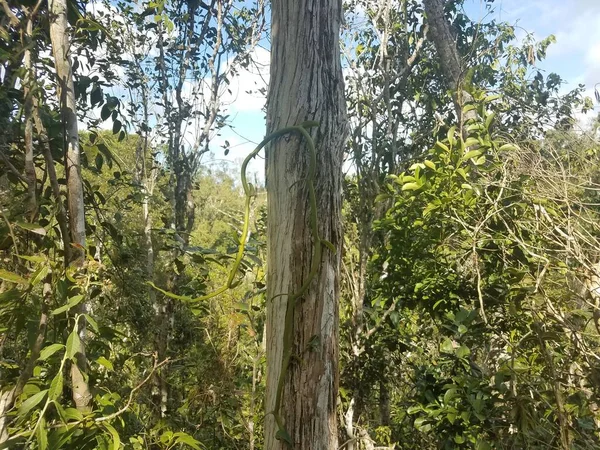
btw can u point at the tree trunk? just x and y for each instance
(59, 36)
(443, 40)
(306, 84)
(30, 174)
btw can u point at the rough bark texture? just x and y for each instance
(59, 36)
(306, 84)
(30, 175)
(443, 40)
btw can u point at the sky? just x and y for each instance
(575, 57)
(575, 23)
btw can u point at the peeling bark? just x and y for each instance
(306, 84)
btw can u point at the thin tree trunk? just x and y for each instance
(59, 36)
(61, 215)
(28, 82)
(31, 114)
(450, 60)
(306, 84)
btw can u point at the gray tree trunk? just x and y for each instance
(306, 84)
(450, 60)
(59, 36)
(28, 86)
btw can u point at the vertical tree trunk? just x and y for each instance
(450, 60)
(59, 36)
(30, 175)
(306, 84)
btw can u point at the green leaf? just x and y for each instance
(166, 437)
(33, 227)
(105, 112)
(411, 187)
(12, 277)
(471, 141)
(73, 414)
(508, 147)
(105, 363)
(10, 296)
(31, 403)
(18, 442)
(41, 434)
(34, 258)
(422, 425)
(414, 409)
(183, 438)
(471, 154)
(447, 346)
(50, 350)
(381, 197)
(56, 387)
(73, 344)
(489, 119)
(463, 351)
(39, 275)
(450, 395)
(459, 439)
(430, 164)
(92, 322)
(442, 146)
(116, 440)
(75, 300)
(99, 161)
(451, 138)
(491, 98)
(116, 126)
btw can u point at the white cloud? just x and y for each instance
(247, 84)
(592, 75)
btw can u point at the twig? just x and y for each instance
(133, 391)
(12, 234)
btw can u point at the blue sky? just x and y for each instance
(575, 24)
(575, 57)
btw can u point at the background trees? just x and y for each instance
(468, 287)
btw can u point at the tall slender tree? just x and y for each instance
(306, 83)
(451, 62)
(59, 36)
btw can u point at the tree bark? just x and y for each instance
(59, 36)
(450, 60)
(306, 84)
(28, 85)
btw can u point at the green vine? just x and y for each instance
(250, 193)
